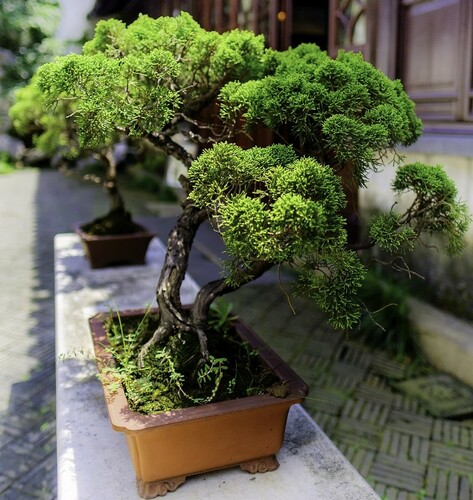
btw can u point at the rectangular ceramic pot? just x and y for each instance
(167, 447)
(116, 250)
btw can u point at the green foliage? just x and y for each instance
(333, 281)
(6, 165)
(389, 233)
(221, 317)
(272, 207)
(341, 111)
(303, 59)
(135, 80)
(227, 170)
(110, 95)
(138, 81)
(435, 209)
(51, 129)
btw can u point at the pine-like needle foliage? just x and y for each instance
(343, 111)
(435, 209)
(142, 80)
(273, 207)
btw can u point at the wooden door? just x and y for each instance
(434, 61)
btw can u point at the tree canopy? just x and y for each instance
(342, 111)
(271, 205)
(144, 80)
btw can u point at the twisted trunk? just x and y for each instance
(172, 314)
(111, 185)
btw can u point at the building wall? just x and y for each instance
(73, 24)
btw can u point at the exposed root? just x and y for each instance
(203, 345)
(160, 334)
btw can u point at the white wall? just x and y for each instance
(73, 24)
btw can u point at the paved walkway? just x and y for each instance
(402, 451)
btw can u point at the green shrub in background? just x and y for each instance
(26, 40)
(6, 165)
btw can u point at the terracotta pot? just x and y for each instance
(116, 250)
(167, 447)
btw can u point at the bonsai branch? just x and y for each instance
(397, 264)
(218, 288)
(170, 147)
(216, 131)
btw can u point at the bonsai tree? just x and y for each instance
(275, 205)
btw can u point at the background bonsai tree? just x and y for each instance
(53, 131)
(149, 82)
(273, 205)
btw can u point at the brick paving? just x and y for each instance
(401, 450)
(404, 452)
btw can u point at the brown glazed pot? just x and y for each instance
(167, 447)
(116, 250)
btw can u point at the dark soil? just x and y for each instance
(115, 222)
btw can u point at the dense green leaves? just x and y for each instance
(144, 79)
(273, 207)
(50, 129)
(343, 111)
(435, 209)
(227, 170)
(354, 143)
(204, 60)
(390, 234)
(110, 94)
(270, 205)
(333, 281)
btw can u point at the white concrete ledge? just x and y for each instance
(446, 340)
(93, 460)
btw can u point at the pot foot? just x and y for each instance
(265, 464)
(158, 488)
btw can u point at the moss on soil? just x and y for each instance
(174, 375)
